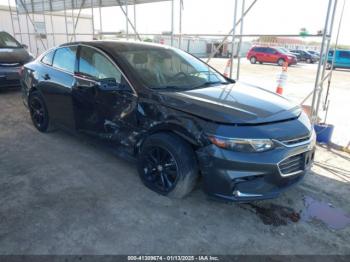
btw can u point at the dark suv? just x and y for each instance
(181, 118)
(270, 55)
(13, 56)
(306, 56)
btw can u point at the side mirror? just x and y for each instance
(110, 84)
(24, 46)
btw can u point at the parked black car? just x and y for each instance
(314, 53)
(306, 56)
(179, 116)
(12, 56)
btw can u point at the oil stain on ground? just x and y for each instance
(272, 214)
(334, 218)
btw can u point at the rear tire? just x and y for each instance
(280, 61)
(167, 165)
(38, 112)
(253, 60)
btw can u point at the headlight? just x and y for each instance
(241, 144)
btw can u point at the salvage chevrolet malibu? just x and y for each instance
(181, 118)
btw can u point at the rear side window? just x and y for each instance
(259, 49)
(47, 59)
(65, 58)
(344, 54)
(94, 64)
(270, 51)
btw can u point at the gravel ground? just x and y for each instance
(63, 193)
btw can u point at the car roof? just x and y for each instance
(120, 45)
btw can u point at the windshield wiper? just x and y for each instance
(206, 84)
(171, 87)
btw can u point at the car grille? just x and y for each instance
(292, 165)
(294, 141)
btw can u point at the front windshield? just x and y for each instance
(7, 41)
(161, 68)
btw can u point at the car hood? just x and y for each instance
(237, 103)
(14, 55)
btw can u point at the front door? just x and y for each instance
(110, 113)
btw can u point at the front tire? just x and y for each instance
(38, 112)
(167, 165)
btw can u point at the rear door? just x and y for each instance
(272, 55)
(260, 54)
(56, 85)
(99, 110)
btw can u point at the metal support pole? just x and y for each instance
(13, 24)
(73, 25)
(33, 23)
(240, 42)
(180, 23)
(19, 22)
(52, 26)
(172, 23)
(225, 38)
(233, 37)
(135, 18)
(126, 19)
(92, 19)
(317, 92)
(65, 19)
(100, 14)
(330, 75)
(28, 18)
(28, 32)
(131, 24)
(77, 20)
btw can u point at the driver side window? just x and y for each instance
(96, 65)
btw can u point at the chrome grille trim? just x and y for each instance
(302, 169)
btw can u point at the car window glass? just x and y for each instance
(344, 54)
(163, 68)
(330, 53)
(47, 59)
(65, 58)
(95, 64)
(7, 41)
(270, 50)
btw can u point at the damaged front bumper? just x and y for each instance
(237, 176)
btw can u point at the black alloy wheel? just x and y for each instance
(167, 165)
(160, 169)
(38, 112)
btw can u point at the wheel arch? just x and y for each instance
(174, 129)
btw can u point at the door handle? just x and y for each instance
(46, 77)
